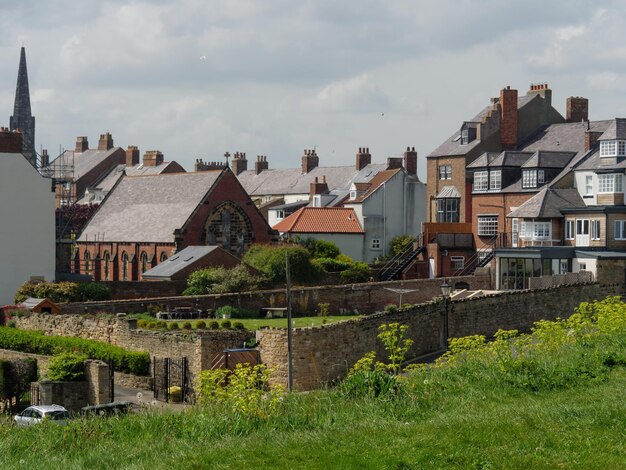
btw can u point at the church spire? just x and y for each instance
(22, 118)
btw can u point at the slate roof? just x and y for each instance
(109, 179)
(376, 182)
(548, 203)
(149, 208)
(448, 192)
(83, 162)
(616, 130)
(320, 220)
(500, 159)
(180, 261)
(594, 162)
(541, 159)
(293, 181)
(565, 137)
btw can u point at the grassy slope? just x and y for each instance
(582, 427)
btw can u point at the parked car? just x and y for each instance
(36, 414)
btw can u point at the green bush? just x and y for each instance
(67, 367)
(200, 325)
(214, 325)
(391, 308)
(400, 243)
(172, 326)
(238, 325)
(18, 312)
(332, 265)
(358, 272)
(37, 343)
(142, 324)
(162, 325)
(16, 376)
(63, 291)
(221, 280)
(11, 324)
(226, 324)
(225, 310)
(270, 260)
(187, 325)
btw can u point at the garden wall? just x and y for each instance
(321, 355)
(362, 298)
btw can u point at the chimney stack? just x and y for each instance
(45, 159)
(10, 142)
(394, 162)
(410, 161)
(201, 165)
(318, 188)
(82, 144)
(310, 160)
(152, 158)
(132, 155)
(590, 139)
(105, 142)
(260, 164)
(363, 158)
(542, 90)
(576, 109)
(508, 118)
(239, 163)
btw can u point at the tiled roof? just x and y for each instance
(501, 159)
(616, 130)
(541, 159)
(376, 182)
(180, 260)
(548, 202)
(320, 220)
(109, 180)
(594, 162)
(565, 137)
(149, 208)
(83, 162)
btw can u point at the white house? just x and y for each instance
(27, 233)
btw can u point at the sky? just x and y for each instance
(198, 78)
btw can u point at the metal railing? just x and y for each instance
(400, 259)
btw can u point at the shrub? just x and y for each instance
(221, 280)
(187, 325)
(142, 324)
(332, 265)
(16, 376)
(162, 325)
(225, 311)
(226, 324)
(12, 324)
(270, 260)
(400, 243)
(391, 308)
(358, 272)
(238, 325)
(63, 291)
(91, 291)
(323, 309)
(200, 325)
(172, 326)
(18, 312)
(214, 325)
(67, 367)
(37, 343)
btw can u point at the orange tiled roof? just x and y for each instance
(320, 220)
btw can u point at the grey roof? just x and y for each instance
(448, 192)
(616, 130)
(500, 159)
(31, 302)
(547, 203)
(600, 254)
(543, 159)
(291, 205)
(453, 146)
(109, 180)
(564, 137)
(83, 162)
(179, 261)
(594, 162)
(293, 181)
(149, 208)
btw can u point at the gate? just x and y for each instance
(231, 357)
(111, 382)
(34, 394)
(169, 373)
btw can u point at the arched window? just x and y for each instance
(144, 262)
(87, 263)
(163, 257)
(125, 266)
(107, 260)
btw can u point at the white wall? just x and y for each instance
(580, 178)
(27, 238)
(590, 265)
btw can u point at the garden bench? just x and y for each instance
(274, 312)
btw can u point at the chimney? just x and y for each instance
(81, 144)
(201, 165)
(576, 109)
(132, 155)
(590, 139)
(260, 164)
(310, 160)
(45, 159)
(239, 163)
(10, 142)
(508, 118)
(410, 161)
(152, 158)
(319, 188)
(105, 142)
(542, 90)
(363, 158)
(394, 162)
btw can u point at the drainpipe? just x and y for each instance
(385, 218)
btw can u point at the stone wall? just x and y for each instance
(321, 355)
(363, 298)
(42, 361)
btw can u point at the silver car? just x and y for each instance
(37, 414)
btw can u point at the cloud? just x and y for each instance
(358, 94)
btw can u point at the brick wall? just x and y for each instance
(363, 298)
(323, 354)
(495, 204)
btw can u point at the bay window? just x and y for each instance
(611, 183)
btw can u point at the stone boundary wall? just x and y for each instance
(42, 361)
(321, 355)
(363, 298)
(199, 348)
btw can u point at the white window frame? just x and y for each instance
(465, 137)
(542, 230)
(445, 172)
(481, 181)
(588, 185)
(353, 194)
(457, 262)
(595, 230)
(495, 179)
(570, 229)
(529, 179)
(376, 244)
(487, 225)
(620, 230)
(610, 183)
(541, 176)
(608, 148)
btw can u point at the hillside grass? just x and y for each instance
(553, 399)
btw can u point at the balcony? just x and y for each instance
(449, 235)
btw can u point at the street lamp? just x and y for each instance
(443, 327)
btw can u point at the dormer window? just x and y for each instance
(481, 181)
(464, 137)
(611, 183)
(353, 194)
(529, 179)
(612, 148)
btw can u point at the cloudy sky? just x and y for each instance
(197, 78)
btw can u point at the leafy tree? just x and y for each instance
(67, 367)
(221, 280)
(358, 272)
(399, 243)
(270, 260)
(63, 291)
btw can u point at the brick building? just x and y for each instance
(145, 219)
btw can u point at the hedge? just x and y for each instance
(35, 342)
